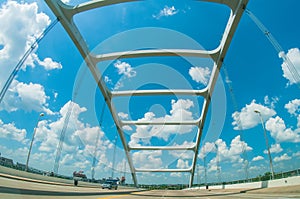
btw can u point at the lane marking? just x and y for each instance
(109, 197)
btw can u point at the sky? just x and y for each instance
(55, 80)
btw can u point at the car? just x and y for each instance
(110, 184)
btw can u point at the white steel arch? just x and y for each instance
(65, 14)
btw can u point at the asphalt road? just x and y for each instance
(18, 189)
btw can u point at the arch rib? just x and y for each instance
(65, 14)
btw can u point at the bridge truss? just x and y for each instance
(65, 14)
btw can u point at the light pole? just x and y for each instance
(34, 132)
(267, 143)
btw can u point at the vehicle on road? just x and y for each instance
(110, 184)
(77, 176)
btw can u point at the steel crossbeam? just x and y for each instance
(65, 14)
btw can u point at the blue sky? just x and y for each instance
(55, 74)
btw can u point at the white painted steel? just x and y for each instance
(158, 52)
(192, 122)
(163, 148)
(65, 14)
(202, 92)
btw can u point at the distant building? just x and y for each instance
(20, 166)
(6, 162)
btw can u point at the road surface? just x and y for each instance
(18, 189)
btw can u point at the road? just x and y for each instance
(17, 189)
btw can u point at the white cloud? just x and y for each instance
(28, 97)
(207, 148)
(294, 56)
(200, 75)
(166, 11)
(125, 69)
(247, 118)
(271, 102)
(20, 25)
(297, 154)
(127, 128)
(55, 95)
(89, 136)
(293, 107)
(184, 154)
(181, 164)
(107, 80)
(179, 112)
(282, 158)
(232, 154)
(48, 63)
(78, 146)
(65, 1)
(176, 175)
(10, 131)
(79, 142)
(257, 158)
(275, 148)
(17, 154)
(123, 115)
(147, 159)
(280, 132)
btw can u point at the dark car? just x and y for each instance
(110, 184)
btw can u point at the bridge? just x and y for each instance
(177, 128)
(66, 15)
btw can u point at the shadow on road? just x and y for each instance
(23, 191)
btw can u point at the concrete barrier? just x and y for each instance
(290, 181)
(41, 178)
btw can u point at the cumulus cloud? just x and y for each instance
(180, 112)
(297, 154)
(107, 80)
(257, 158)
(232, 154)
(20, 25)
(48, 63)
(79, 142)
(293, 107)
(125, 69)
(182, 164)
(17, 154)
(271, 102)
(127, 128)
(282, 158)
(200, 75)
(147, 159)
(11, 132)
(78, 146)
(28, 97)
(275, 148)
(166, 11)
(183, 154)
(123, 115)
(294, 56)
(280, 132)
(207, 148)
(247, 118)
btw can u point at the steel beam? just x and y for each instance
(179, 148)
(158, 52)
(167, 122)
(160, 92)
